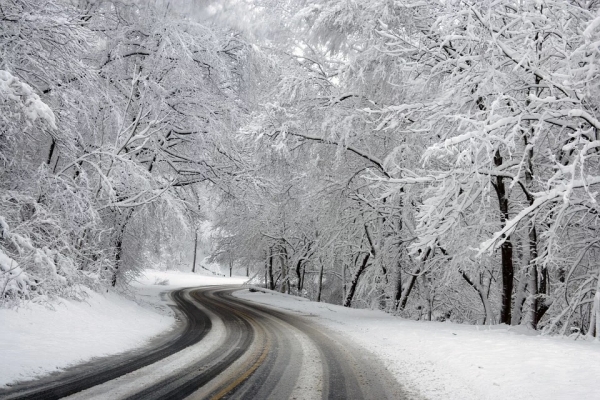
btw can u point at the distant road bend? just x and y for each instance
(226, 348)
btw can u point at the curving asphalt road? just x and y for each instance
(227, 348)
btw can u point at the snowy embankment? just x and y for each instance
(439, 360)
(38, 339)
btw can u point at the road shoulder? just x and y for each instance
(453, 361)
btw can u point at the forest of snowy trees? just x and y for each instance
(113, 114)
(434, 159)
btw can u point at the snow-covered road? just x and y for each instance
(256, 352)
(428, 359)
(443, 360)
(36, 340)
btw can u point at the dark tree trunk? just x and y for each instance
(195, 250)
(51, 152)
(411, 283)
(298, 276)
(119, 246)
(354, 282)
(303, 276)
(539, 278)
(118, 254)
(398, 288)
(270, 269)
(507, 283)
(299, 268)
(408, 289)
(487, 308)
(56, 164)
(283, 259)
(266, 277)
(319, 291)
(541, 304)
(428, 295)
(506, 248)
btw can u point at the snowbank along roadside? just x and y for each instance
(442, 360)
(39, 339)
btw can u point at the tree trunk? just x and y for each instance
(270, 269)
(51, 152)
(303, 276)
(195, 250)
(597, 307)
(520, 298)
(301, 260)
(541, 298)
(354, 282)
(506, 248)
(298, 276)
(119, 249)
(428, 296)
(398, 287)
(594, 330)
(408, 288)
(519, 313)
(539, 279)
(411, 282)
(320, 288)
(487, 307)
(119, 246)
(285, 283)
(343, 281)
(266, 269)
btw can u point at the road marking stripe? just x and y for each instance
(250, 371)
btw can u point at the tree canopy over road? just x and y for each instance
(434, 159)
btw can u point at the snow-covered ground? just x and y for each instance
(434, 360)
(439, 360)
(38, 339)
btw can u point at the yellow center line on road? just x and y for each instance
(250, 370)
